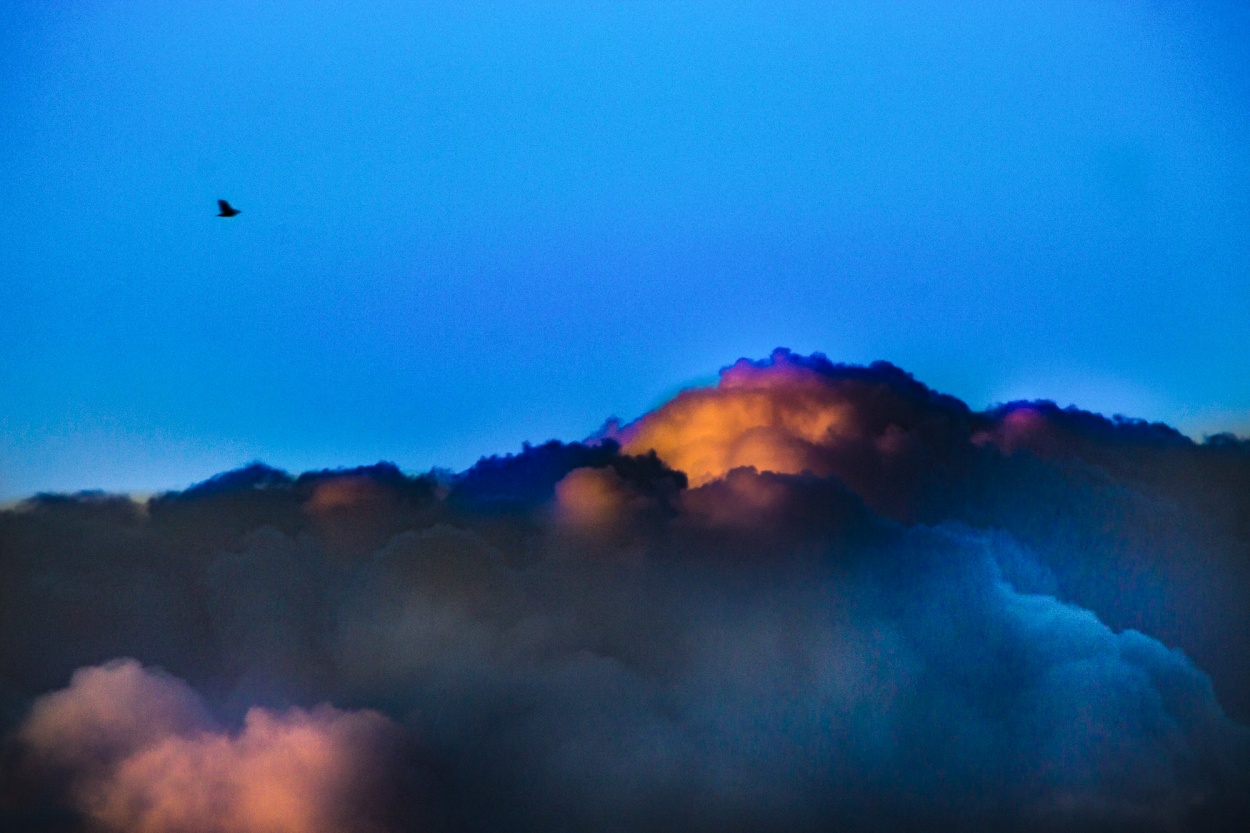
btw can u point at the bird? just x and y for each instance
(227, 210)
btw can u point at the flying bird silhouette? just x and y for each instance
(227, 210)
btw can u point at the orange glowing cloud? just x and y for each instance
(778, 418)
(590, 497)
(346, 494)
(141, 756)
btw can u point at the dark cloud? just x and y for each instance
(815, 596)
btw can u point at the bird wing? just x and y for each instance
(225, 206)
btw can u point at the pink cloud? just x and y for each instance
(141, 755)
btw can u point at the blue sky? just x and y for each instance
(469, 225)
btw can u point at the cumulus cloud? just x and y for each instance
(140, 754)
(922, 685)
(876, 428)
(812, 596)
(1136, 520)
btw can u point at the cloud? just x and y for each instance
(1123, 511)
(876, 428)
(919, 683)
(812, 596)
(782, 416)
(139, 753)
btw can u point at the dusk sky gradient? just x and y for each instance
(466, 226)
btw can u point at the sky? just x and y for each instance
(467, 226)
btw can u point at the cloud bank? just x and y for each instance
(140, 754)
(813, 596)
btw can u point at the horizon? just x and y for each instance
(150, 491)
